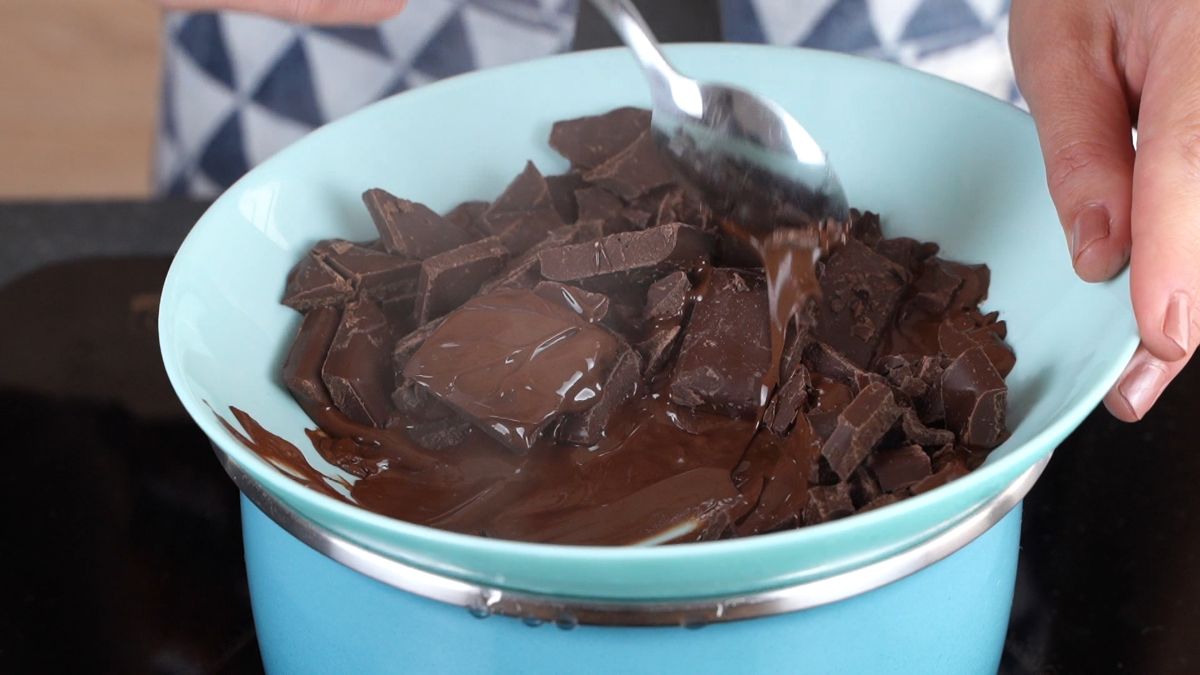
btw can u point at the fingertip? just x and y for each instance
(1119, 408)
(1101, 261)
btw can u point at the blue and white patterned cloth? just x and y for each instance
(237, 88)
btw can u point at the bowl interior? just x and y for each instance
(938, 161)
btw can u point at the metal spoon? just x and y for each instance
(754, 163)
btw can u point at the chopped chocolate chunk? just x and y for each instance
(973, 289)
(522, 271)
(657, 349)
(440, 434)
(512, 361)
(726, 348)
(469, 216)
(880, 502)
(302, 368)
(357, 370)
(562, 195)
(667, 297)
(636, 170)
(976, 399)
(588, 141)
(863, 487)
(829, 362)
(935, 287)
(860, 293)
(525, 213)
(669, 245)
(449, 278)
(827, 502)
(906, 252)
(596, 204)
(407, 345)
(313, 283)
(898, 468)
(788, 401)
(859, 428)
(621, 383)
(381, 275)
(916, 431)
(410, 229)
(864, 226)
(591, 306)
(939, 478)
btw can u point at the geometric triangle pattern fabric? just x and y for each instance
(237, 87)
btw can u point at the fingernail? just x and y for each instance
(1177, 321)
(1142, 385)
(1091, 225)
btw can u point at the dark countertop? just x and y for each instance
(135, 563)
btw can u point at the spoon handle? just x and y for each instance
(632, 28)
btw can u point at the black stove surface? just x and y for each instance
(134, 565)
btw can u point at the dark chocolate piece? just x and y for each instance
(859, 428)
(860, 293)
(591, 306)
(976, 399)
(669, 245)
(621, 383)
(863, 487)
(939, 478)
(916, 431)
(596, 204)
(523, 270)
(657, 349)
(440, 434)
(726, 347)
(880, 502)
(827, 502)
(411, 229)
(525, 213)
(357, 371)
(636, 170)
(449, 278)
(588, 141)
(562, 195)
(384, 277)
(906, 252)
(469, 216)
(865, 227)
(302, 367)
(898, 468)
(935, 287)
(313, 283)
(512, 361)
(667, 297)
(788, 401)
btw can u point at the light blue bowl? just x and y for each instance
(939, 161)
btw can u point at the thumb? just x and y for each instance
(1065, 67)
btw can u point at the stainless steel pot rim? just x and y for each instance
(565, 611)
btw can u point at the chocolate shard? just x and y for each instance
(861, 291)
(824, 360)
(596, 204)
(886, 499)
(634, 171)
(900, 371)
(906, 252)
(935, 287)
(591, 306)
(973, 290)
(916, 431)
(469, 217)
(588, 141)
(620, 385)
(976, 399)
(667, 297)
(383, 276)
(410, 229)
(448, 279)
(865, 227)
(859, 428)
(787, 403)
(657, 349)
(898, 468)
(512, 362)
(931, 407)
(440, 434)
(562, 195)
(525, 213)
(863, 487)
(726, 348)
(302, 367)
(666, 246)
(523, 270)
(827, 502)
(939, 478)
(357, 370)
(313, 283)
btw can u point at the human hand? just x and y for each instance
(1091, 70)
(305, 11)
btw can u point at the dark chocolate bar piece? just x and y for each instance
(976, 399)
(588, 141)
(525, 213)
(313, 283)
(357, 371)
(523, 270)
(469, 216)
(562, 194)
(302, 367)
(591, 306)
(674, 244)
(667, 297)
(898, 468)
(788, 401)
(621, 384)
(410, 229)
(634, 171)
(512, 361)
(448, 279)
(859, 428)
(383, 276)
(860, 291)
(726, 347)
(827, 502)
